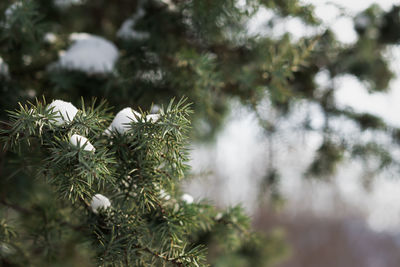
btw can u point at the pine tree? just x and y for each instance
(81, 188)
(107, 193)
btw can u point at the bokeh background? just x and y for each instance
(349, 220)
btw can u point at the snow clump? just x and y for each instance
(78, 140)
(127, 31)
(66, 111)
(187, 198)
(122, 120)
(99, 202)
(89, 53)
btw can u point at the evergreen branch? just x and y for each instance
(174, 261)
(238, 227)
(15, 207)
(29, 212)
(165, 173)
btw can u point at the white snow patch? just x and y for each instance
(121, 122)
(151, 75)
(258, 24)
(155, 108)
(171, 6)
(88, 53)
(81, 141)
(12, 8)
(99, 202)
(153, 117)
(127, 30)
(50, 38)
(164, 195)
(187, 198)
(67, 3)
(4, 71)
(65, 110)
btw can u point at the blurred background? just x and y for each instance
(350, 219)
(296, 104)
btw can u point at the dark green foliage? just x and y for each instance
(21, 26)
(390, 26)
(367, 121)
(380, 154)
(326, 160)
